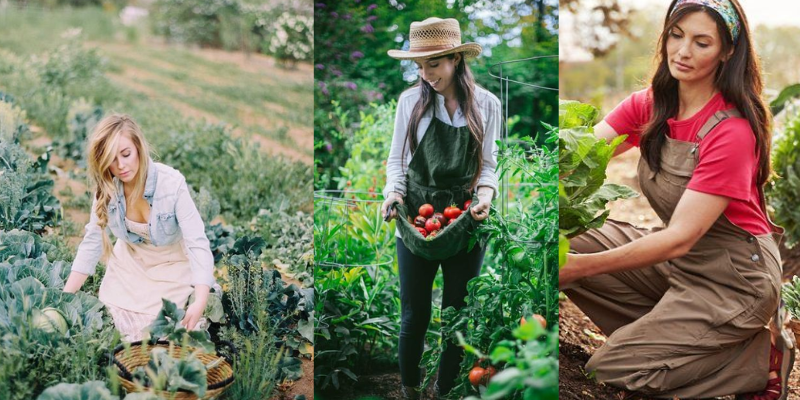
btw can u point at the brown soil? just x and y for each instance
(385, 386)
(579, 337)
(305, 386)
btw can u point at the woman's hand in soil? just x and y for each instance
(480, 211)
(391, 198)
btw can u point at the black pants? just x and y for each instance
(416, 286)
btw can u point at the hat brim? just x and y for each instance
(470, 50)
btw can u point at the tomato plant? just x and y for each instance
(521, 270)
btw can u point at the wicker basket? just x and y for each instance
(219, 378)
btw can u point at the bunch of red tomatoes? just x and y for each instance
(429, 222)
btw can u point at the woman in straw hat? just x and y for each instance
(443, 148)
(686, 307)
(161, 251)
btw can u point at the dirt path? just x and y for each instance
(305, 385)
(384, 386)
(579, 337)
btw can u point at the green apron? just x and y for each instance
(440, 174)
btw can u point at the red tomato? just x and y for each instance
(426, 210)
(419, 221)
(440, 217)
(490, 372)
(423, 232)
(541, 320)
(452, 212)
(467, 203)
(434, 233)
(449, 221)
(476, 376)
(432, 225)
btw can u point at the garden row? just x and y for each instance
(64, 93)
(358, 301)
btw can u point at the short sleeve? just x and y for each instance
(728, 161)
(630, 116)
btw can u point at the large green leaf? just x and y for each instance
(583, 159)
(94, 390)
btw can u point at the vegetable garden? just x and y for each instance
(256, 209)
(358, 290)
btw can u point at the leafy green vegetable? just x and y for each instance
(17, 244)
(26, 199)
(777, 105)
(791, 295)
(784, 192)
(94, 390)
(163, 372)
(168, 325)
(583, 159)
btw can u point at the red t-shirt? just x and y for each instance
(728, 163)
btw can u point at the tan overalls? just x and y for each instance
(689, 327)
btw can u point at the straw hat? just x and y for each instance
(435, 37)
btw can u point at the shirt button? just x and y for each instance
(751, 239)
(755, 257)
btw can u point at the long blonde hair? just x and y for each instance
(102, 150)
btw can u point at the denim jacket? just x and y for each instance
(173, 216)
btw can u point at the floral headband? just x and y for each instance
(724, 8)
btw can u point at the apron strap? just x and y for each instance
(715, 119)
(712, 123)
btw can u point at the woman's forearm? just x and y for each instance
(75, 281)
(649, 250)
(486, 192)
(201, 293)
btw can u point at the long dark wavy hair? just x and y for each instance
(465, 93)
(738, 79)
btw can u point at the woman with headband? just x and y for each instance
(686, 307)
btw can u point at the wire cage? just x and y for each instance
(508, 190)
(531, 195)
(349, 230)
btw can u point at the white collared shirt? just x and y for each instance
(397, 164)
